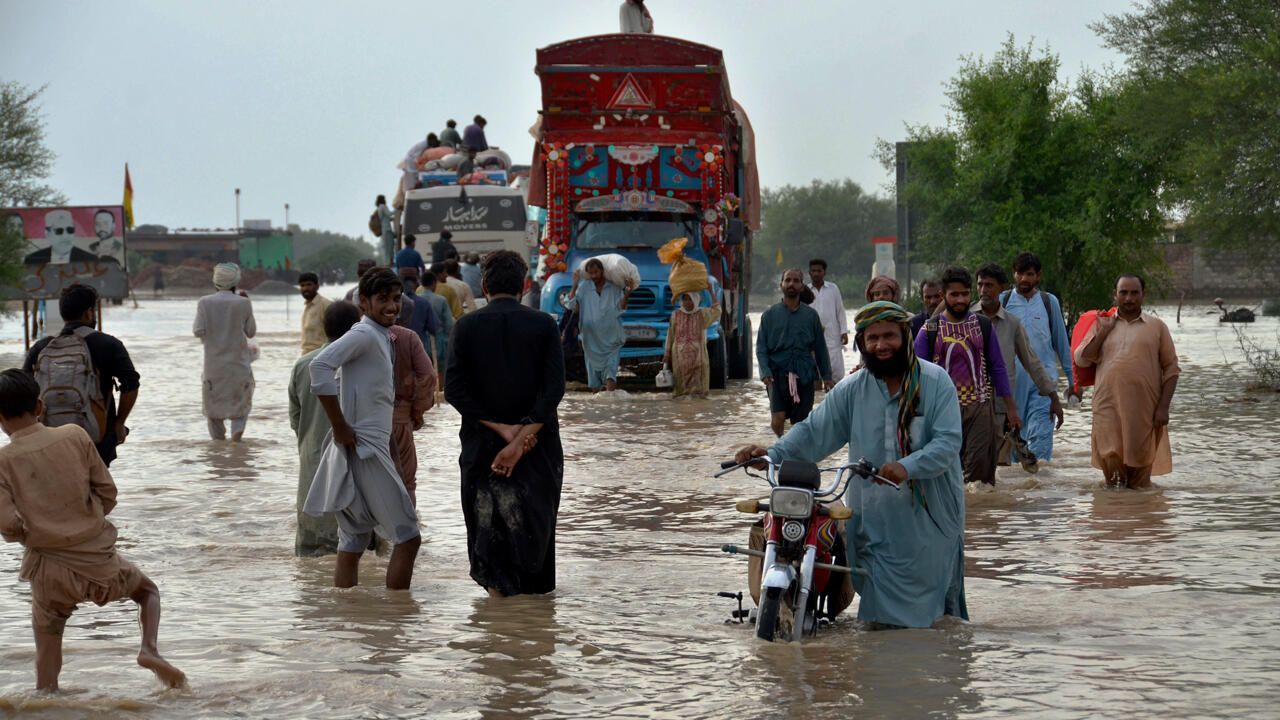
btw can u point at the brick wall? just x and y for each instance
(1203, 274)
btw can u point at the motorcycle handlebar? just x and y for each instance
(728, 464)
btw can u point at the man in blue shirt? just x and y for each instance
(423, 321)
(1041, 316)
(791, 352)
(408, 258)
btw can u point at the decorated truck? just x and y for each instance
(640, 142)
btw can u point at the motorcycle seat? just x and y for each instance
(797, 474)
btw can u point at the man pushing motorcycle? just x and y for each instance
(902, 414)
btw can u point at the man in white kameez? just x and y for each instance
(830, 307)
(902, 415)
(357, 479)
(224, 323)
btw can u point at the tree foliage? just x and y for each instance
(320, 251)
(833, 220)
(1027, 164)
(1202, 90)
(25, 161)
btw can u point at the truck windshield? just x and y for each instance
(621, 230)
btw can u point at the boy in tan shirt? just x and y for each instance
(55, 493)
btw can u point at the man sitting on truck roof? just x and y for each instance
(473, 135)
(449, 136)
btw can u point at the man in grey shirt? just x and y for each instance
(1013, 341)
(358, 479)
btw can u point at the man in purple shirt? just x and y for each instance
(473, 135)
(964, 345)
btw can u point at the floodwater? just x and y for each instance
(1085, 602)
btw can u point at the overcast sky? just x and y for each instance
(313, 103)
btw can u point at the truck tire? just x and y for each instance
(717, 351)
(740, 357)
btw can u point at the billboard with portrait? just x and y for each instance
(69, 244)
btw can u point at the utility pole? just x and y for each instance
(237, 210)
(286, 217)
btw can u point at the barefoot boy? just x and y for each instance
(55, 493)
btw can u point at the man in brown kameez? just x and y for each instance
(1136, 376)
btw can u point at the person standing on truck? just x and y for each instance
(791, 352)
(388, 232)
(634, 17)
(830, 307)
(473, 135)
(600, 310)
(449, 136)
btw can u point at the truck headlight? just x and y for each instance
(791, 502)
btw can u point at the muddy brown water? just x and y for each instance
(1085, 602)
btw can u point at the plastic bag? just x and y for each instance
(664, 378)
(617, 269)
(687, 275)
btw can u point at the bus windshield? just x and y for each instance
(622, 230)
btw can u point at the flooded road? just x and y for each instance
(1085, 602)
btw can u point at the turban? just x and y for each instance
(226, 276)
(909, 397)
(888, 282)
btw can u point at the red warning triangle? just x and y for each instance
(629, 96)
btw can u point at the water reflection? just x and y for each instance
(512, 647)
(1127, 532)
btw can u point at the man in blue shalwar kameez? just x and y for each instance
(1041, 316)
(600, 309)
(902, 414)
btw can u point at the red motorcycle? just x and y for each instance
(802, 579)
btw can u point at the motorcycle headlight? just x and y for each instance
(791, 502)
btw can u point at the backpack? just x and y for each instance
(1048, 313)
(69, 384)
(984, 324)
(375, 224)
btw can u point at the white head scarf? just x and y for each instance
(226, 276)
(680, 303)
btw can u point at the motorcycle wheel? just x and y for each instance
(767, 618)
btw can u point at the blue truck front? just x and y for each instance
(637, 237)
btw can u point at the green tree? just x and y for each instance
(1203, 91)
(25, 161)
(1027, 164)
(338, 256)
(831, 219)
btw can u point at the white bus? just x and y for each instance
(480, 217)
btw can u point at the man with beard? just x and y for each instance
(1137, 373)
(964, 345)
(901, 414)
(506, 378)
(791, 351)
(992, 281)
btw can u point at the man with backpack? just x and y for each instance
(965, 346)
(77, 370)
(1041, 316)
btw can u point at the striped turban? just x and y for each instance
(909, 398)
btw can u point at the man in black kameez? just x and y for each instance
(505, 376)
